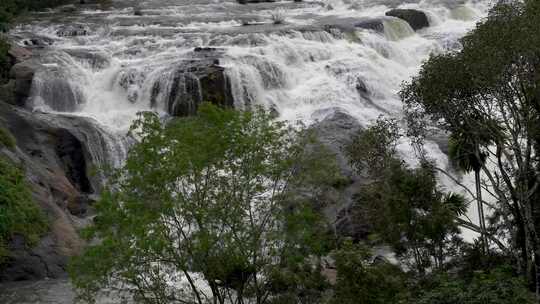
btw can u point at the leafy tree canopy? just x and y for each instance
(202, 210)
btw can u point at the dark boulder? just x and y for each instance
(38, 42)
(73, 30)
(70, 152)
(193, 82)
(19, 54)
(371, 24)
(22, 76)
(416, 19)
(335, 131)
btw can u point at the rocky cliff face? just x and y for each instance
(55, 164)
(57, 153)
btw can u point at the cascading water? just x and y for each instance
(328, 56)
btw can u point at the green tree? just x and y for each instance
(466, 154)
(4, 60)
(202, 211)
(496, 286)
(360, 280)
(404, 205)
(488, 94)
(19, 215)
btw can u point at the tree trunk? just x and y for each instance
(481, 218)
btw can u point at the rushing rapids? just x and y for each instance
(302, 60)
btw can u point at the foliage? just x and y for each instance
(6, 139)
(9, 9)
(374, 149)
(19, 215)
(497, 286)
(404, 205)
(486, 97)
(360, 280)
(4, 59)
(202, 211)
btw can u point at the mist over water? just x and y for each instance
(106, 64)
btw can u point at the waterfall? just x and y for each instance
(334, 55)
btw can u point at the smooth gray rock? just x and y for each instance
(194, 81)
(57, 152)
(23, 75)
(416, 19)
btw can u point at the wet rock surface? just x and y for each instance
(416, 19)
(56, 153)
(335, 132)
(193, 82)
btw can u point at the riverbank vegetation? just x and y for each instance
(20, 217)
(487, 98)
(215, 208)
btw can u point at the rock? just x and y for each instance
(73, 30)
(70, 8)
(38, 42)
(371, 24)
(362, 89)
(137, 11)
(23, 76)
(96, 59)
(352, 223)
(416, 19)
(19, 54)
(56, 152)
(70, 151)
(335, 131)
(193, 82)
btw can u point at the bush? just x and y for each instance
(6, 139)
(9, 9)
(4, 60)
(498, 286)
(361, 280)
(19, 215)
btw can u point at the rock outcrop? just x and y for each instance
(55, 164)
(57, 153)
(73, 30)
(335, 132)
(192, 82)
(416, 19)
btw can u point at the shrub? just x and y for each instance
(498, 286)
(6, 139)
(4, 60)
(19, 215)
